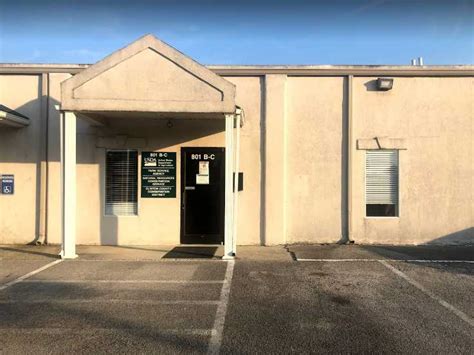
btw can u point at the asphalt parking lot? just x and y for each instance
(302, 299)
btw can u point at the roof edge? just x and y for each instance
(258, 70)
(343, 70)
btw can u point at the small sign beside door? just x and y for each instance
(7, 184)
(159, 174)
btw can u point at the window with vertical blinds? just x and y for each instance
(381, 183)
(121, 182)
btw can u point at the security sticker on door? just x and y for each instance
(202, 179)
(203, 168)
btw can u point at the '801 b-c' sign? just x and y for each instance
(158, 174)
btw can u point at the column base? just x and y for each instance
(68, 256)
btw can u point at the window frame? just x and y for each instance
(397, 206)
(104, 210)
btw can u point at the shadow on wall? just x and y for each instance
(23, 146)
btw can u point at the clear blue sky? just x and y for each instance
(242, 32)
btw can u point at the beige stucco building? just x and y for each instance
(327, 154)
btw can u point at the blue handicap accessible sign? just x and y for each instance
(7, 183)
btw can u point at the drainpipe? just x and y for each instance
(350, 147)
(43, 158)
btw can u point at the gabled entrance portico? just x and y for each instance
(146, 81)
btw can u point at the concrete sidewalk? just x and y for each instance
(383, 252)
(256, 253)
(95, 252)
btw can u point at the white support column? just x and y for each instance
(229, 251)
(68, 185)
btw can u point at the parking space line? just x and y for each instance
(204, 282)
(216, 339)
(391, 260)
(34, 272)
(334, 260)
(442, 302)
(58, 331)
(167, 260)
(114, 300)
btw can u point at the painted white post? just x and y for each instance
(229, 201)
(236, 179)
(68, 185)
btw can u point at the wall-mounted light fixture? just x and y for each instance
(384, 84)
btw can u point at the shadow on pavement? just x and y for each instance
(32, 251)
(113, 330)
(182, 252)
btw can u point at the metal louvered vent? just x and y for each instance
(121, 182)
(381, 182)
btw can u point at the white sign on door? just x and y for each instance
(203, 168)
(202, 179)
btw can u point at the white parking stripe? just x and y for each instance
(113, 300)
(391, 260)
(24, 277)
(93, 331)
(216, 339)
(335, 260)
(205, 282)
(442, 302)
(157, 260)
